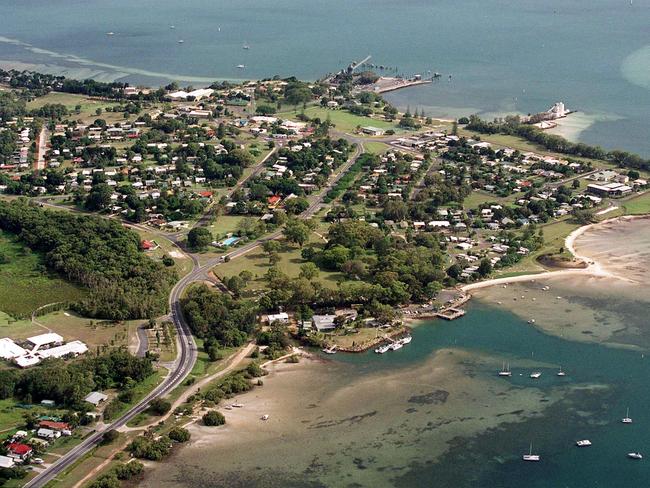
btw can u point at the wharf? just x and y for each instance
(450, 313)
(385, 85)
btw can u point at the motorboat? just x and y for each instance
(238, 405)
(383, 349)
(330, 350)
(396, 345)
(634, 455)
(583, 443)
(535, 375)
(561, 373)
(627, 419)
(406, 340)
(265, 417)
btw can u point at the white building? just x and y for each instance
(9, 349)
(45, 340)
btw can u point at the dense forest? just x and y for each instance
(512, 125)
(67, 383)
(96, 253)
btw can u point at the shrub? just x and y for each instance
(110, 436)
(179, 434)
(158, 406)
(214, 418)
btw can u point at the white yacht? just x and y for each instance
(530, 456)
(505, 370)
(535, 375)
(583, 443)
(561, 373)
(330, 350)
(406, 340)
(627, 419)
(634, 455)
(246, 47)
(396, 345)
(382, 349)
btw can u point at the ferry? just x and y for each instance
(505, 371)
(634, 455)
(583, 443)
(627, 419)
(530, 456)
(330, 350)
(535, 375)
(396, 345)
(383, 349)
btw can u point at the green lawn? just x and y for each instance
(342, 119)
(477, 197)
(71, 100)
(638, 205)
(225, 224)
(376, 147)
(25, 283)
(257, 263)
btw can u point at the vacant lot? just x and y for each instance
(343, 120)
(25, 283)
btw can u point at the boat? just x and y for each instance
(634, 455)
(241, 66)
(505, 371)
(535, 375)
(583, 443)
(237, 405)
(330, 350)
(531, 321)
(561, 373)
(246, 46)
(172, 27)
(383, 349)
(406, 340)
(181, 41)
(110, 33)
(265, 417)
(627, 419)
(530, 456)
(396, 345)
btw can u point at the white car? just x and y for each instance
(37, 461)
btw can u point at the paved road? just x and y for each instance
(41, 148)
(186, 345)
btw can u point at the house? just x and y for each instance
(278, 317)
(323, 323)
(19, 451)
(56, 426)
(48, 434)
(45, 340)
(372, 131)
(6, 462)
(609, 189)
(147, 245)
(95, 398)
(9, 349)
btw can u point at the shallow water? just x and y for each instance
(503, 55)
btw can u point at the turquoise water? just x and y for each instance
(493, 459)
(504, 55)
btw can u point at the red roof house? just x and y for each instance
(19, 451)
(274, 200)
(49, 424)
(147, 245)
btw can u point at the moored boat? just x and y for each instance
(627, 419)
(505, 370)
(530, 456)
(583, 443)
(535, 375)
(634, 455)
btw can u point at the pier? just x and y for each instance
(450, 313)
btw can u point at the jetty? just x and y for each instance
(386, 84)
(450, 313)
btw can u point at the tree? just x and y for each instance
(296, 206)
(485, 267)
(235, 284)
(576, 184)
(214, 418)
(199, 238)
(296, 231)
(179, 434)
(110, 436)
(158, 406)
(454, 271)
(309, 271)
(99, 197)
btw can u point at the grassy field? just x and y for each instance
(477, 197)
(71, 100)
(25, 283)
(342, 119)
(638, 205)
(376, 147)
(225, 224)
(182, 264)
(257, 263)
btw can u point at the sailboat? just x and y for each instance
(505, 371)
(530, 456)
(561, 373)
(245, 46)
(627, 419)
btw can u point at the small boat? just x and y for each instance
(561, 373)
(396, 345)
(383, 349)
(406, 340)
(265, 417)
(237, 405)
(627, 419)
(535, 375)
(241, 66)
(181, 41)
(583, 443)
(172, 27)
(228, 407)
(110, 33)
(246, 46)
(505, 371)
(531, 321)
(330, 350)
(530, 456)
(634, 455)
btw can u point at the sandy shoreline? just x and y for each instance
(594, 268)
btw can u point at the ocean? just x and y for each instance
(503, 56)
(435, 413)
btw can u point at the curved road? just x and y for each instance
(187, 347)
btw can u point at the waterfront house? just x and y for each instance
(323, 323)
